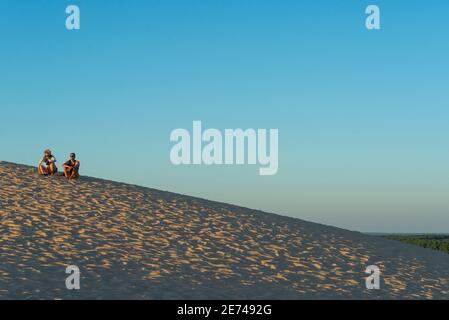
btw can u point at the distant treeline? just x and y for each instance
(435, 242)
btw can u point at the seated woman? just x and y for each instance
(72, 167)
(47, 165)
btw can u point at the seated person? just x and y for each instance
(71, 167)
(47, 165)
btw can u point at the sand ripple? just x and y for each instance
(134, 242)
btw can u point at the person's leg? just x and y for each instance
(53, 168)
(75, 174)
(67, 172)
(42, 170)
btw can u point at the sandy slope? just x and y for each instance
(134, 242)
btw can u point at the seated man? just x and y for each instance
(71, 167)
(50, 167)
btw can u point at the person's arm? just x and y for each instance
(40, 162)
(68, 164)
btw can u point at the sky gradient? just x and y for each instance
(362, 115)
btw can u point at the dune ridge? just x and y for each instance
(132, 242)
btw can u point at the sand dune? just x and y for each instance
(132, 242)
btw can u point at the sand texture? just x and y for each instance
(132, 242)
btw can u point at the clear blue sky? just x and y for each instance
(362, 115)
